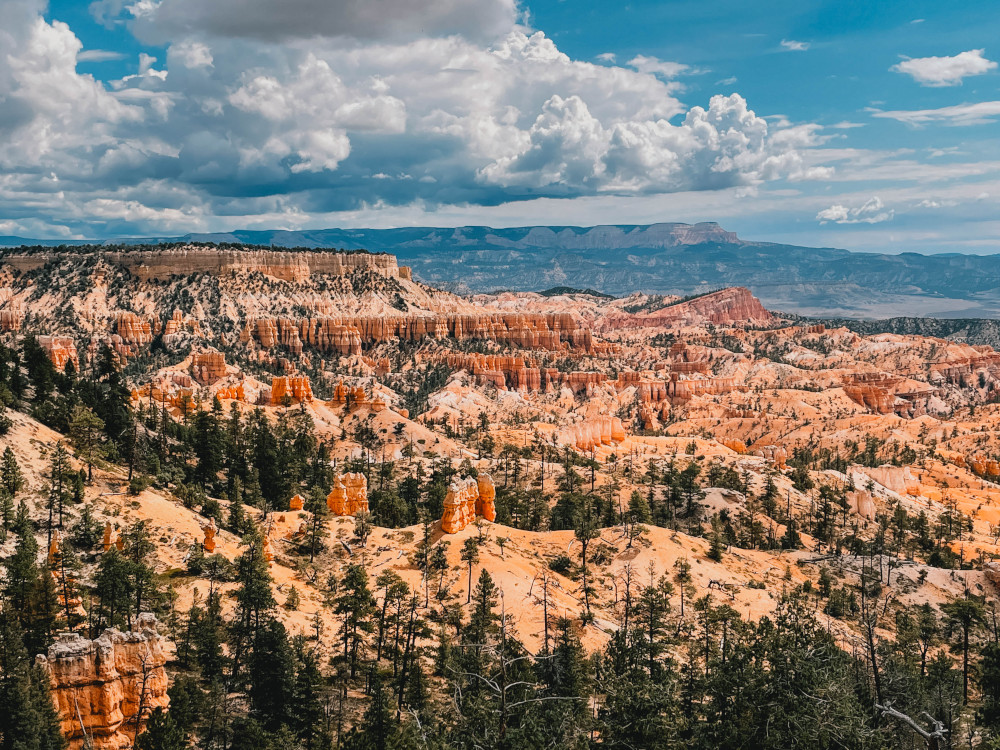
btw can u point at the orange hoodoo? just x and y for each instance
(296, 503)
(209, 528)
(466, 499)
(99, 686)
(290, 388)
(349, 495)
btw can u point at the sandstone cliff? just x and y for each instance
(105, 688)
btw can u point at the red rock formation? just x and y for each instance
(773, 453)
(208, 367)
(349, 495)
(593, 433)
(861, 502)
(210, 530)
(346, 335)
(103, 689)
(287, 266)
(983, 466)
(10, 320)
(873, 390)
(356, 485)
(133, 329)
(733, 306)
(296, 503)
(466, 499)
(960, 371)
(485, 504)
(336, 501)
(735, 445)
(61, 349)
(680, 391)
(288, 387)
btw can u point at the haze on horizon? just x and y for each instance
(869, 127)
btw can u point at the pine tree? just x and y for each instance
(378, 726)
(470, 555)
(113, 591)
(316, 531)
(10, 473)
(87, 432)
(307, 699)
(139, 549)
(254, 600)
(28, 719)
(356, 606)
(161, 733)
(271, 674)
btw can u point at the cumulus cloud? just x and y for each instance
(945, 71)
(871, 211)
(957, 115)
(161, 21)
(726, 145)
(665, 68)
(227, 127)
(792, 46)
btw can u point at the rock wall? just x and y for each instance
(345, 335)
(773, 453)
(208, 367)
(99, 686)
(287, 266)
(134, 330)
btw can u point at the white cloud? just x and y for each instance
(191, 54)
(655, 66)
(957, 115)
(793, 46)
(871, 211)
(226, 127)
(608, 57)
(99, 55)
(945, 71)
(724, 146)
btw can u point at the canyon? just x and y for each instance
(704, 428)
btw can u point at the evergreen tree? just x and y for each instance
(355, 605)
(10, 473)
(28, 719)
(86, 430)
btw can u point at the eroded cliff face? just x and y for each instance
(346, 335)
(105, 689)
(181, 261)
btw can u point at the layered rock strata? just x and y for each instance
(346, 335)
(105, 689)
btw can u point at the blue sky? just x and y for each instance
(859, 125)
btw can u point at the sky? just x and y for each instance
(834, 123)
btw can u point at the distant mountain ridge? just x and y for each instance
(665, 258)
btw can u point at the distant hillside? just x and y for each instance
(975, 331)
(666, 259)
